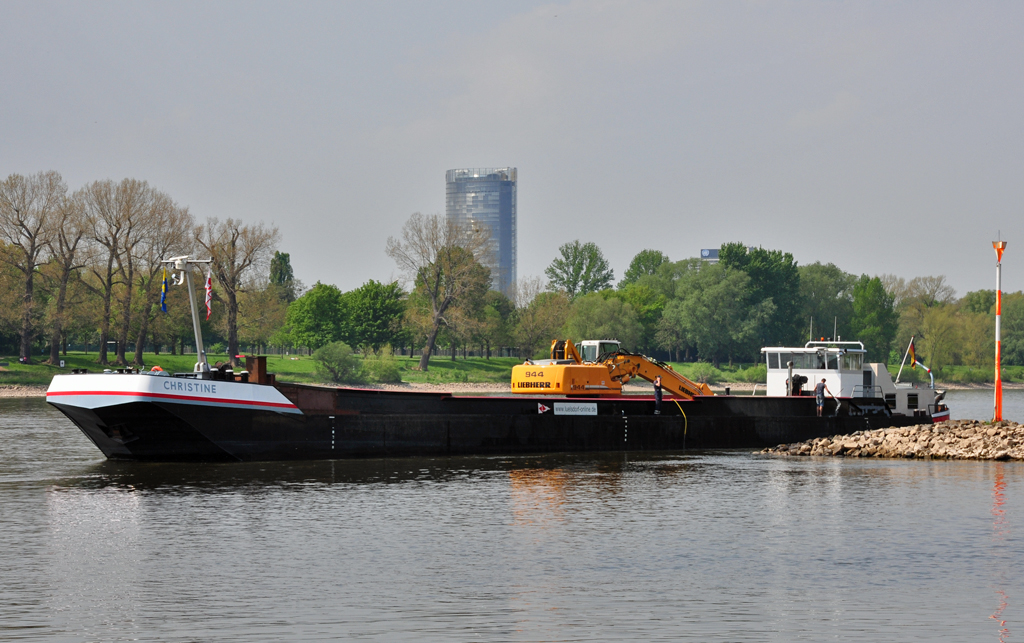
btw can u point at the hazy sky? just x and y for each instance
(884, 137)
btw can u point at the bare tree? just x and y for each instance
(28, 207)
(931, 291)
(168, 234)
(896, 287)
(117, 214)
(136, 203)
(235, 249)
(525, 289)
(69, 254)
(433, 252)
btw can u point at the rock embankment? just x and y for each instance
(956, 439)
(19, 390)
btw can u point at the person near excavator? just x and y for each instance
(819, 394)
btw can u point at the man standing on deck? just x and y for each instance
(819, 393)
(657, 395)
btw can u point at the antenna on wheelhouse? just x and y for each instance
(184, 264)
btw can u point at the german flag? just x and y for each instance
(913, 354)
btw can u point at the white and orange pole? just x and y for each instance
(999, 247)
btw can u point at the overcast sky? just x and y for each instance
(883, 137)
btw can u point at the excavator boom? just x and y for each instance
(625, 366)
(567, 374)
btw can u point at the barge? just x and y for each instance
(218, 415)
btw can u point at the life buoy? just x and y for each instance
(157, 368)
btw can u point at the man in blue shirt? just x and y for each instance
(819, 393)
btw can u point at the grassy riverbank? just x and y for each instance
(291, 368)
(444, 370)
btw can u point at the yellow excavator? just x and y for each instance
(602, 369)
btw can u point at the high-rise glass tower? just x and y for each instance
(488, 196)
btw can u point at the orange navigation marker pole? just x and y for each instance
(999, 247)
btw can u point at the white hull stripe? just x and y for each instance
(98, 400)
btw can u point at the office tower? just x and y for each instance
(487, 196)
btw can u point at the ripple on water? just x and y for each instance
(668, 546)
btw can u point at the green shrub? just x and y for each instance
(964, 375)
(756, 374)
(705, 373)
(335, 362)
(218, 348)
(382, 366)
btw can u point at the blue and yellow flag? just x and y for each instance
(163, 293)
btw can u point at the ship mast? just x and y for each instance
(184, 264)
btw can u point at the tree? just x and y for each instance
(648, 304)
(940, 336)
(827, 296)
(167, 235)
(137, 209)
(116, 218)
(466, 315)
(712, 312)
(281, 275)
(236, 250)
(376, 311)
(540, 321)
(441, 257)
(261, 313)
(874, 321)
(495, 328)
(336, 362)
(10, 305)
(646, 262)
(174, 327)
(897, 289)
(319, 317)
(28, 207)
(977, 345)
(773, 275)
(979, 301)
(596, 317)
(581, 269)
(1012, 331)
(929, 291)
(68, 255)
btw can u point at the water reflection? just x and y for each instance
(1000, 532)
(694, 546)
(543, 475)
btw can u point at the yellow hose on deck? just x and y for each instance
(686, 421)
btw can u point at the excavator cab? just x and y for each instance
(592, 350)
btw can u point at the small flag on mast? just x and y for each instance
(209, 294)
(163, 293)
(913, 355)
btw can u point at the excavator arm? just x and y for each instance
(625, 366)
(566, 373)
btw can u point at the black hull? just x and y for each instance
(345, 423)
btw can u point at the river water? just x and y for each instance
(713, 546)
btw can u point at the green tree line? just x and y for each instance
(84, 268)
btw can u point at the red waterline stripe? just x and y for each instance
(168, 396)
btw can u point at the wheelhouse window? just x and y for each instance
(853, 362)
